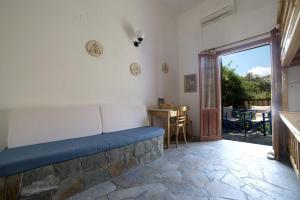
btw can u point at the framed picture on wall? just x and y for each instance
(190, 83)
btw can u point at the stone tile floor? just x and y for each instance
(212, 170)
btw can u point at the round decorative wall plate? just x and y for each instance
(135, 69)
(165, 68)
(94, 48)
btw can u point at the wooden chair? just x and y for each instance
(180, 123)
(189, 127)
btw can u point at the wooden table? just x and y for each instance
(163, 113)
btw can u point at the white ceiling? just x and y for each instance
(180, 6)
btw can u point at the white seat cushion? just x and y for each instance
(38, 125)
(121, 117)
(257, 119)
(233, 119)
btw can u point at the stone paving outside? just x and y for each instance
(212, 171)
(252, 137)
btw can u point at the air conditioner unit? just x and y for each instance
(220, 13)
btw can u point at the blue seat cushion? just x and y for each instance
(20, 159)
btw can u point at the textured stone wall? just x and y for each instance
(62, 180)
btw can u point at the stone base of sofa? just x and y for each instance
(62, 180)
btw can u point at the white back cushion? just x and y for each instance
(4, 121)
(261, 109)
(121, 117)
(38, 125)
(228, 110)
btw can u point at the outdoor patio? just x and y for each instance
(252, 137)
(246, 99)
(251, 125)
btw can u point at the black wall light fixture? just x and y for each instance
(139, 38)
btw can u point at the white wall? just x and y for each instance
(251, 18)
(43, 60)
(294, 88)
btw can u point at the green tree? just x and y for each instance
(236, 88)
(233, 92)
(257, 87)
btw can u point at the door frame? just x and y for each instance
(221, 51)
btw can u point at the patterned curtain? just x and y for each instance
(208, 66)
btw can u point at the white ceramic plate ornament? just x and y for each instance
(94, 48)
(135, 69)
